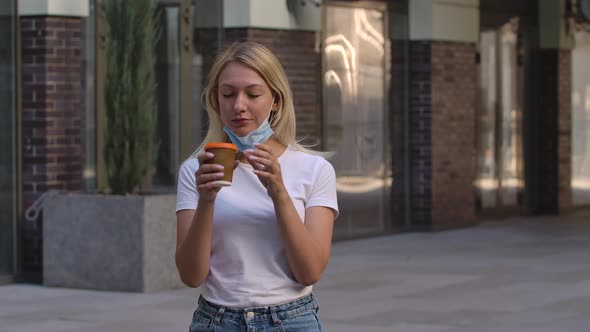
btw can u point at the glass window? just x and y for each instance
(581, 120)
(89, 81)
(499, 174)
(179, 94)
(207, 42)
(7, 141)
(354, 99)
(167, 142)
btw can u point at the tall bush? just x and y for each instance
(132, 33)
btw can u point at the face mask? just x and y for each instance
(258, 135)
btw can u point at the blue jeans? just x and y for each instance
(296, 316)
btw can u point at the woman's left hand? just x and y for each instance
(267, 168)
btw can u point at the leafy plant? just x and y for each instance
(132, 33)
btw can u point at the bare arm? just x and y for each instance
(307, 245)
(195, 227)
(193, 243)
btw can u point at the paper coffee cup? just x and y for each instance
(223, 154)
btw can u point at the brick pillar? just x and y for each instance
(442, 134)
(302, 63)
(550, 150)
(420, 104)
(51, 119)
(454, 87)
(564, 132)
(398, 131)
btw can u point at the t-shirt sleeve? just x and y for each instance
(186, 194)
(323, 192)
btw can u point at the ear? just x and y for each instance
(275, 103)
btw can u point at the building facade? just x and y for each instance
(440, 113)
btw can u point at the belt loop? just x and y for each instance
(316, 305)
(275, 319)
(218, 316)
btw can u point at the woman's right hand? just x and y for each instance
(205, 175)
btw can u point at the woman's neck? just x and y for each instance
(276, 147)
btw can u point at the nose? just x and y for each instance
(240, 103)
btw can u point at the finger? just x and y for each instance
(263, 174)
(263, 151)
(263, 147)
(208, 177)
(259, 155)
(209, 168)
(236, 164)
(208, 186)
(204, 156)
(260, 163)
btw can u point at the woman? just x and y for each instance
(258, 246)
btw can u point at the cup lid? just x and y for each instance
(214, 145)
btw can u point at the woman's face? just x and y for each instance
(245, 100)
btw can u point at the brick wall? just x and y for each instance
(564, 131)
(398, 108)
(51, 118)
(541, 163)
(454, 87)
(301, 61)
(442, 134)
(420, 104)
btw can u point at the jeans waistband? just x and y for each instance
(282, 311)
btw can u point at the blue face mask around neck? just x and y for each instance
(258, 135)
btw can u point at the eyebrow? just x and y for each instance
(249, 86)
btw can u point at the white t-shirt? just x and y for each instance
(248, 265)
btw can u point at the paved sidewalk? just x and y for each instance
(519, 275)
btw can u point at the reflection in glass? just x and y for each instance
(168, 97)
(89, 78)
(580, 181)
(486, 171)
(208, 34)
(354, 99)
(7, 140)
(499, 174)
(509, 178)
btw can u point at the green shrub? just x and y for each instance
(130, 104)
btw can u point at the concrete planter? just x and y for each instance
(115, 243)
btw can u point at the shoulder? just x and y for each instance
(307, 162)
(189, 167)
(293, 155)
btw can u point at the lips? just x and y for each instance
(240, 121)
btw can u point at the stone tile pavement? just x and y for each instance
(515, 275)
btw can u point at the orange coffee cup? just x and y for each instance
(223, 154)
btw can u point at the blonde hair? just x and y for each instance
(260, 59)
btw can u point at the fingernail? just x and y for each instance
(249, 151)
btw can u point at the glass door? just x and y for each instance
(580, 181)
(8, 142)
(499, 174)
(168, 96)
(354, 115)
